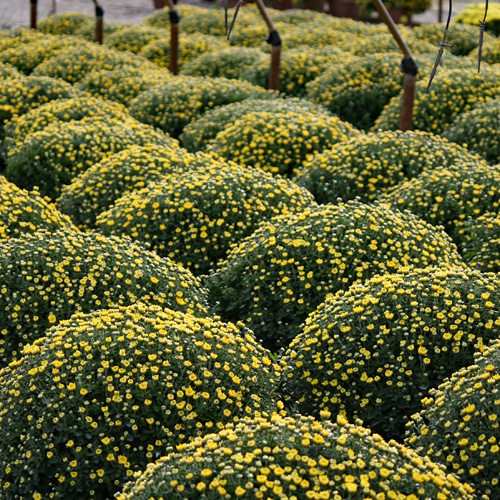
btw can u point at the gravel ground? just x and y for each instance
(16, 12)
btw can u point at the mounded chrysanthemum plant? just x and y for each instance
(282, 272)
(46, 277)
(294, 459)
(368, 165)
(375, 351)
(459, 425)
(195, 216)
(104, 394)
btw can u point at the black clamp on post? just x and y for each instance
(99, 11)
(174, 17)
(409, 66)
(274, 39)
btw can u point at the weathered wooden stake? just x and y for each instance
(99, 23)
(33, 14)
(409, 67)
(173, 63)
(274, 40)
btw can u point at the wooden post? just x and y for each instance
(33, 14)
(409, 67)
(173, 63)
(99, 23)
(274, 40)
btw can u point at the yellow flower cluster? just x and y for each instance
(65, 23)
(201, 132)
(479, 130)
(195, 216)
(375, 351)
(73, 63)
(104, 394)
(475, 11)
(448, 195)
(172, 104)
(453, 91)
(480, 241)
(294, 459)
(47, 276)
(8, 71)
(134, 37)
(98, 187)
(368, 165)
(61, 110)
(288, 266)
(52, 157)
(230, 62)
(459, 425)
(22, 212)
(190, 47)
(121, 84)
(279, 142)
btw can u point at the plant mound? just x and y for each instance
(96, 189)
(358, 90)
(459, 425)
(480, 239)
(367, 165)
(190, 47)
(447, 196)
(201, 132)
(279, 142)
(19, 95)
(287, 267)
(48, 276)
(375, 351)
(134, 37)
(435, 111)
(195, 216)
(229, 62)
(61, 110)
(294, 458)
(52, 157)
(479, 130)
(171, 105)
(121, 84)
(74, 63)
(475, 11)
(298, 67)
(22, 212)
(119, 387)
(8, 71)
(65, 23)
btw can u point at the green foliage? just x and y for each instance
(479, 130)
(473, 12)
(453, 91)
(374, 351)
(48, 276)
(121, 84)
(200, 133)
(190, 47)
(297, 458)
(118, 387)
(287, 267)
(196, 215)
(228, 62)
(171, 105)
(52, 157)
(448, 195)
(459, 426)
(480, 241)
(22, 212)
(134, 37)
(279, 142)
(98, 187)
(368, 165)
(65, 23)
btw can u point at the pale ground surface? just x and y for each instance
(16, 12)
